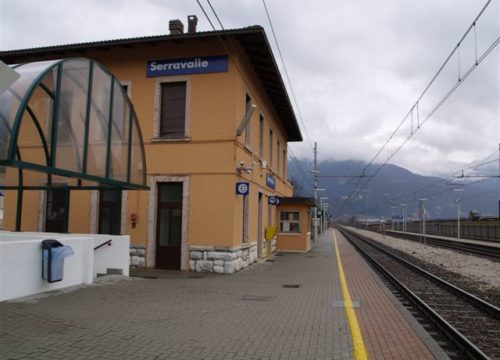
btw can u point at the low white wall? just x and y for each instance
(113, 257)
(21, 261)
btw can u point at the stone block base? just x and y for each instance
(137, 256)
(221, 260)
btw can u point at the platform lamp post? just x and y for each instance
(459, 202)
(392, 218)
(422, 218)
(325, 216)
(315, 216)
(322, 205)
(315, 174)
(404, 219)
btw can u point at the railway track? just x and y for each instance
(470, 325)
(489, 252)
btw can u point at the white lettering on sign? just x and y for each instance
(193, 64)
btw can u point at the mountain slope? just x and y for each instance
(393, 186)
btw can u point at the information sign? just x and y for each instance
(242, 188)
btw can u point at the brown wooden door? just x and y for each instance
(169, 226)
(110, 211)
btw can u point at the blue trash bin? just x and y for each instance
(53, 255)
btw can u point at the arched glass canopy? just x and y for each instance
(69, 122)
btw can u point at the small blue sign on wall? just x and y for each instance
(184, 66)
(273, 200)
(242, 188)
(271, 181)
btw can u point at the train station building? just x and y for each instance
(216, 121)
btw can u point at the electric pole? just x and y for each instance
(315, 184)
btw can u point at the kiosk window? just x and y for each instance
(290, 222)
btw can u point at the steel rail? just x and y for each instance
(443, 325)
(491, 309)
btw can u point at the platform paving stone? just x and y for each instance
(170, 315)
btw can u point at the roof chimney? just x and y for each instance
(176, 27)
(192, 22)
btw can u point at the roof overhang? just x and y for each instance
(252, 39)
(304, 201)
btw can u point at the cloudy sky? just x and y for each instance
(357, 67)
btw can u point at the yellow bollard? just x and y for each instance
(270, 233)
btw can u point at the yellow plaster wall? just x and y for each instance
(79, 214)
(211, 215)
(31, 200)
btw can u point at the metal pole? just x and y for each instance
(459, 201)
(425, 238)
(404, 219)
(322, 205)
(422, 218)
(315, 210)
(421, 221)
(322, 217)
(315, 175)
(392, 219)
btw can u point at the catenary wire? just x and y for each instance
(286, 74)
(361, 186)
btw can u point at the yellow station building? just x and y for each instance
(216, 121)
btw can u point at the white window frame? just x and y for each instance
(290, 221)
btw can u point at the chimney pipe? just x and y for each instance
(176, 27)
(192, 22)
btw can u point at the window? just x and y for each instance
(110, 207)
(261, 136)
(278, 157)
(173, 109)
(290, 222)
(248, 127)
(270, 148)
(126, 88)
(284, 163)
(56, 215)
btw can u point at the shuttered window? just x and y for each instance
(248, 127)
(173, 109)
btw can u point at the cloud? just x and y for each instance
(356, 66)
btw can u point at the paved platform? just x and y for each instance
(248, 315)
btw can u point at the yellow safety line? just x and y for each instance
(357, 338)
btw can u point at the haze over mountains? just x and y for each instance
(394, 186)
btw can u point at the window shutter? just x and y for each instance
(173, 109)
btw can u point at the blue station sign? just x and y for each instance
(271, 181)
(273, 200)
(185, 66)
(242, 188)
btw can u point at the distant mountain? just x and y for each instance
(393, 186)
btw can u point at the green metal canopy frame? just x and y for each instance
(68, 123)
